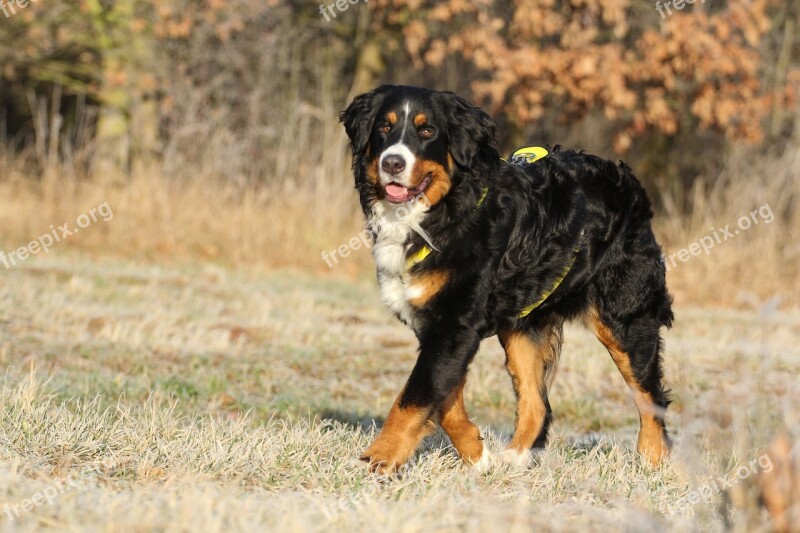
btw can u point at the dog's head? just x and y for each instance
(408, 141)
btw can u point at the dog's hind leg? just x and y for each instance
(636, 350)
(465, 436)
(531, 358)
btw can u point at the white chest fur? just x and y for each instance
(393, 226)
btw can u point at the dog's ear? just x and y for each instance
(359, 117)
(471, 132)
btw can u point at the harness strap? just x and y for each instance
(525, 155)
(546, 294)
(420, 255)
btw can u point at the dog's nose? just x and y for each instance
(393, 164)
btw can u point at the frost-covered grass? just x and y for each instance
(211, 399)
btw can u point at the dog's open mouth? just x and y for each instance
(397, 194)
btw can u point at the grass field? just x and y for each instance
(209, 398)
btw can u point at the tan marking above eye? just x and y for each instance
(420, 120)
(391, 118)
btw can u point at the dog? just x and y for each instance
(469, 245)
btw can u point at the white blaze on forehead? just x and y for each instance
(402, 150)
(403, 178)
(407, 109)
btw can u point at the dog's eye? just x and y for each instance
(426, 133)
(386, 128)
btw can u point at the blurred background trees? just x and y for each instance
(246, 93)
(252, 79)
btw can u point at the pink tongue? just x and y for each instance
(396, 190)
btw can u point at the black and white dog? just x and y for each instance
(469, 245)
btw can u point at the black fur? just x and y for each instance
(505, 253)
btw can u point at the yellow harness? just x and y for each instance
(425, 251)
(527, 155)
(526, 311)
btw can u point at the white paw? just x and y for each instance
(486, 460)
(516, 458)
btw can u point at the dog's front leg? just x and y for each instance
(444, 356)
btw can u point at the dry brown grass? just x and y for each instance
(195, 218)
(760, 263)
(157, 219)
